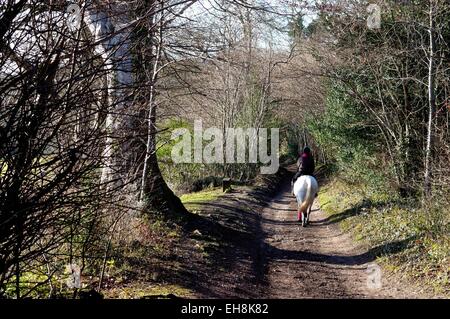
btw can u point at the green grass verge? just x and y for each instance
(405, 237)
(193, 201)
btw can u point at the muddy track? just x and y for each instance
(319, 261)
(267, 254)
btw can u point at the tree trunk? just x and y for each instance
(155, 193)
(113, 47)
(158, 197)
(431, 103)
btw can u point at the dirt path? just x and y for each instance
(248, 244)
(319, 261)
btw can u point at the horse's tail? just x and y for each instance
(305, 192)
(304, 206)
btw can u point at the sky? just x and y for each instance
(280, 40)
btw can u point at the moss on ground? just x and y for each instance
(193, 201)
(404, 236)
(203, 196)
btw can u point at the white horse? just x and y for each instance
(305, 190)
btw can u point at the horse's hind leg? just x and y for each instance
(308, 213)
(305, 218)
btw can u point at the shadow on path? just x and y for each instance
(392, 248)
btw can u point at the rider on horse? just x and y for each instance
(305, 164)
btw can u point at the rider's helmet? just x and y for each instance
(307, 150)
